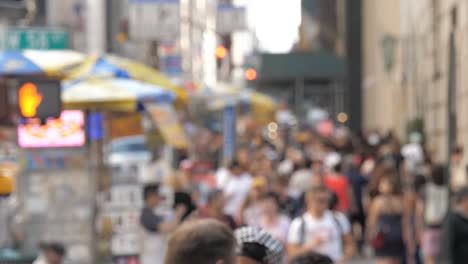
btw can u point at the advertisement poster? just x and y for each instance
(66, 131)
(166, 119)
(125, 126)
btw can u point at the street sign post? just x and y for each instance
(33, 38)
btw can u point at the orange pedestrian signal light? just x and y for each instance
(251, 74)
(29, 99)
(221, 52)
(39, 98)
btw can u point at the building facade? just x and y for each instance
(421, 75)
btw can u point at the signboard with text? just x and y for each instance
(33, 38)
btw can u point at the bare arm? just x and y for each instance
(169, 226)
(349, 248)
(373, 216)
(295, 250)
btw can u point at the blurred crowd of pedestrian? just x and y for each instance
(335, 194)
(301, 195)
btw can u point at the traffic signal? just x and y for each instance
(39, 98)
(250, 74)
(221, 52)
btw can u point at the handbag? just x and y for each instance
(378, 240)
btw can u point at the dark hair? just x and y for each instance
(253, 250)
(56, 248)
(461, 195)
(394, 179)
(438, 175)
(280, 180)
(213, 195)
(201, 242)
(234, 164)
(317, 189)
(312, 258)
(271, 195)
(150, 189)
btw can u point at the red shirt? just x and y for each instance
(339, 185)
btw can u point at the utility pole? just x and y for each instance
(96, 26)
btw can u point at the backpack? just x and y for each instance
(436, 204)
(302, 229)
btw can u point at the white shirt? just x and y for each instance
(327, 228)
(222, 177)
(236, 190)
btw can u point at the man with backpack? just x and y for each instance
(320, 230)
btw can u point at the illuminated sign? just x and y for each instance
(39, 98)
(66, 131)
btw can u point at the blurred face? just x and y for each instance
(317, 167)
(218, 203)
(243, 156)
(385, 186)
(318, 201)
(153, 200)
(52, 257)
(269, 207)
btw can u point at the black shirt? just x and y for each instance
(455, 238)
(149, 220)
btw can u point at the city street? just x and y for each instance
(232, 131)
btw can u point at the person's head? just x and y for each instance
(151, 195)
(256, 246)
(461, 199)
(279, 185)
(201, 242)
(389, 184)
(317, 198)
(243, 155)
(457, 154)
(312, 258)
(54, 253)
(236, 168)
(438, 175)
(216, 200)
(269, 204)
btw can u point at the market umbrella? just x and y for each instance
(49, 62)
(119, 67)
(113, 94)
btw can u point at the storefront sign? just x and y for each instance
(167, 122)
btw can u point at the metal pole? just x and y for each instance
(96, 26)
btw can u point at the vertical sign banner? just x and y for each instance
(154, 19)
(164, 116)
(230, 19)
(229, 132)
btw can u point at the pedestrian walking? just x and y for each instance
(156, 227)
(320, 230)
(432, 207)
(455, 231)
(271, 220)
(387, 222)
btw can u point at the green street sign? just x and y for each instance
(34, 38)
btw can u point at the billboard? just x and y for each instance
(66, 131)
